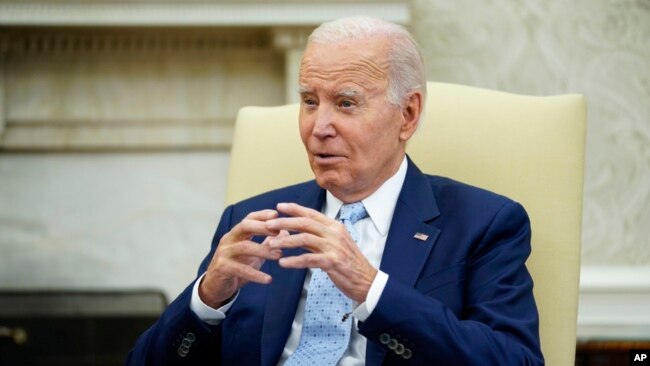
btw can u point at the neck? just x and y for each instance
(367, 191)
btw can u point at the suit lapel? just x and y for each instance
(284, 291)
(411, 237)
(407, 249)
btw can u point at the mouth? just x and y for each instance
(324, 158)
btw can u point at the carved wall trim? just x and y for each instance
(290, 37)
(117, 135)
(27, 42)
(291, 40)
(277, 13)
(37, 39)
(2, 94)
(19, 44)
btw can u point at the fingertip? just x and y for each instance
(282, 206)
(263, 215)
(266, 280)
(285, 262)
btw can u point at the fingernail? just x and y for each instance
(282, 206)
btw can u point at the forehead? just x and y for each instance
(363, 63)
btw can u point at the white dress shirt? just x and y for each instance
(373, 231)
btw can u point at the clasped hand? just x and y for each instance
(329, 246)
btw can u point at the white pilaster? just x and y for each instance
(292, 41)
(2, 97)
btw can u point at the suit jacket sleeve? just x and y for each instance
(497, 323)
(179, 337)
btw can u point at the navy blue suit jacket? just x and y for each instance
(463, 296)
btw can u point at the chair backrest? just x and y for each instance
(528, 148)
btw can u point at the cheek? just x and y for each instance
(379, 142)
(305, 129)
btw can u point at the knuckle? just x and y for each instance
(299, 221)
(252, 214)
(341, 236)
(225, 238)
(302, 239)
(306, 222)
(312, 261)
(226, 250)
(224, 269)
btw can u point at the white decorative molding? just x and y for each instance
(117, 135)
(614, 303)
(33, 42)
(40, 37)
(117, 46)
(28, 128)
(292, 40)
(278, 13)
(2, 95)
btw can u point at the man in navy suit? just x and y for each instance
(436, 276)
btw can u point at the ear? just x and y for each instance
(411, 110)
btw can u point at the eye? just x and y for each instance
(309, 102)
(346, 103)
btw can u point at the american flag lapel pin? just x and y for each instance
(421, 236)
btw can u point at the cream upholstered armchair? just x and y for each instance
(530, 149)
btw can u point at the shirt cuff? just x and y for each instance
(204, 312)
(363, 311)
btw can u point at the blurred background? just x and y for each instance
(116, 119)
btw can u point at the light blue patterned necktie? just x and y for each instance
(325, 336)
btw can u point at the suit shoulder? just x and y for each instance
(457, 193)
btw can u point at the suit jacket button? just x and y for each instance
(392, 344)
(190, 337)
(186, 343)
(384, 338)
(183, 351)
(407, 354)
(400, 349)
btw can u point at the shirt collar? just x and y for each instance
(380, 205)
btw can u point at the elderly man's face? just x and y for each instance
(354, 137)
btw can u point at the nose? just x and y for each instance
(324, 122)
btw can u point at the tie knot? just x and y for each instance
(352, 212)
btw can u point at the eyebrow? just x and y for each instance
(304, 89)
(348, 93)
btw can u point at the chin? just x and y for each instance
(329, 180)
(325, 183)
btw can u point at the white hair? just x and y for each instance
(406, 66)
